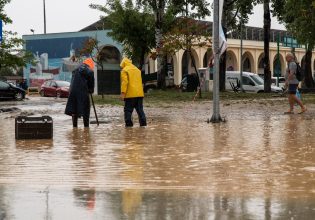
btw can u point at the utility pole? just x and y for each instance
(216, 118)
(44, 17)
(241, 55)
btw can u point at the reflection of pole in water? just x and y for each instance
(47, 203)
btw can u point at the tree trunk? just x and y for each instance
(222, 72)
(142, 59)
(308, 78)
(158, 38)
(195, 67)
(267, 21)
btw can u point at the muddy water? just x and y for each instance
(260, 164)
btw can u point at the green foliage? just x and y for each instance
(190, 8)
(3, 16)
(278, 8)
(91, 46)
(185, 34)
(237, 12)
(11, 54)
(300, 21)
(131, 25)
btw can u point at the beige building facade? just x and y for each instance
(253, 52)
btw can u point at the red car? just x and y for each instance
(55, 88)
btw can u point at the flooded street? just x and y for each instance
(260, 164)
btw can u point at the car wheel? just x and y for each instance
(58, 94)
(260, 91)
(19, 96)
(42, 93)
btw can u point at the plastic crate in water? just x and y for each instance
(33, 127)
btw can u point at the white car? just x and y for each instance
(251, 82)
(281, 81)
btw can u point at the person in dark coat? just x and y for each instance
(82, 84)
(24, 85)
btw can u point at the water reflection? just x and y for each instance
(132, 157)
(85, 198)
(257, 165)
(34, 145)
(165, 204)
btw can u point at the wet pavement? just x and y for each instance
(260, 164)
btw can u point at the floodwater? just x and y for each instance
(260, 164)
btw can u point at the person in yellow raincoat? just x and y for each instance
(132, 92)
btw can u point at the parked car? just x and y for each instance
(10, 91)
(55, 88)
(281, 81)
(150, 81)
(189, 83)
(251, 82)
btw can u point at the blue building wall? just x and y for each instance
(53, 51)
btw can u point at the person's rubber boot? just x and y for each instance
(129, 124)
(75, 121)
(143, 123)
(86, 122)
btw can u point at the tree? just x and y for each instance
(91, 48)
(132, 26)
(298, 17)
(235, 15)
(158, 8)
(267, 25)
(3, 16)
(11, 54)
(174, 7)
(186, 32)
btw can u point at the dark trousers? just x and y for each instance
(134, 103)
(86, 121)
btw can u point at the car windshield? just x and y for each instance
(258, 80)
(63, 84)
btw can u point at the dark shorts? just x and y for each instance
(292, 88)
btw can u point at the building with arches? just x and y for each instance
(52, 52)
(252, 59)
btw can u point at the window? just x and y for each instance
(4, 85)
(63, 84)
(258, 80)
(53, 84)
(247, 81)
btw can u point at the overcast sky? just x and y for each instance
(73, 15)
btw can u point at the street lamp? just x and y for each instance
(32, 30)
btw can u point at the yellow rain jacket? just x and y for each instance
(131, 81)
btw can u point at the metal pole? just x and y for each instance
(216, 118)
(278, 59)
(97, 122)
(241, 67)
(44, 17)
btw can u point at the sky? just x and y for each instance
(73, 15)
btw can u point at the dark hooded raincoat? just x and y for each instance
(82, 84)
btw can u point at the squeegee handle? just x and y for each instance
(94, 110)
